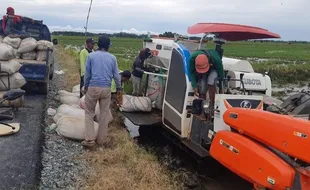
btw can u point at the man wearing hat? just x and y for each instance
(204, 67)
(101, 67)
(89, 46)
(10, 23)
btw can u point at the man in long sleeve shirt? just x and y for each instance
(101, 67)
(138, 70)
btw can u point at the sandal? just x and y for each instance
(90, 143)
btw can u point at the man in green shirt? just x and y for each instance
(204, 67)
(90, 44)
(125, 76)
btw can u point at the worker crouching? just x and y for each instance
(205, 66)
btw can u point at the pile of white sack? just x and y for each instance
(9, 66)
(69, 117)
(26, 49)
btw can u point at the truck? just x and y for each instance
(248, 149)
(38, 72)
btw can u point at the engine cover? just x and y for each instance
(252, 82)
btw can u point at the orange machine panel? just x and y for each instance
(251, 161)
(285, 133)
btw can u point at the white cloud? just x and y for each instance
(80, 29)
(285, 17)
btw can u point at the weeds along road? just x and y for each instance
(20, 153)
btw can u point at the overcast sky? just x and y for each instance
(284, 17)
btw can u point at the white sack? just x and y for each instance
(97, 109)
(69, 100)
(1, 39)
(41, 56)
(136, 104)
(156, 89)
(6, 52)
(76, 88)
(66, 93)
(67, 110)
(29, 56)
(14, 42)
(43, 45)
(27, 45)
(16, 54)
(73, 127)
(10, 66)
(16, 81)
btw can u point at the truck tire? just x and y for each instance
(43, 87)
(51, 76)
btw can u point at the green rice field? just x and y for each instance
(285, 62)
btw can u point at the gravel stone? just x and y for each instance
(60, 168)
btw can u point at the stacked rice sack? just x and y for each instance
(70, 115)
(8, 52)
(27, 49)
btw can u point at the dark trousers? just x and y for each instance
(81, 86)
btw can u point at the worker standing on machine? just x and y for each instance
(138, 70)
(204, 67)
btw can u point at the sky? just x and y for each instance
(284, 17)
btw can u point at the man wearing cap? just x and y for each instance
(89, 46)
(10, 23)
(204, 67)
(138, 70)
(101, 67)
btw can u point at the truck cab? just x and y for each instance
(38, 72)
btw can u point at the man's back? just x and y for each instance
(102, 68)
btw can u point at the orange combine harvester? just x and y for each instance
(269, 150)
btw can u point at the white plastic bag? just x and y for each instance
(136, 104)
(6, 52)
(43, 45)
(41, 56)
(29, 56)
(16, 81)
(1, 39)
(10, 66)
(73, 127)
(155, 90)
(27, 45)
(14, 42)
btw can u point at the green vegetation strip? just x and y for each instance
(291, 62)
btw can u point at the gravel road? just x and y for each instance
(61, 169)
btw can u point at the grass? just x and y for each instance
(290, 64)
(123, 164)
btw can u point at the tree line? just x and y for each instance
(165, 34)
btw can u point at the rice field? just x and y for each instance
(285, 62)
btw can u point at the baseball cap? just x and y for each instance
(104, 42)
(126, 74)
(202, 63)
(90, 40)
(9, 9)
